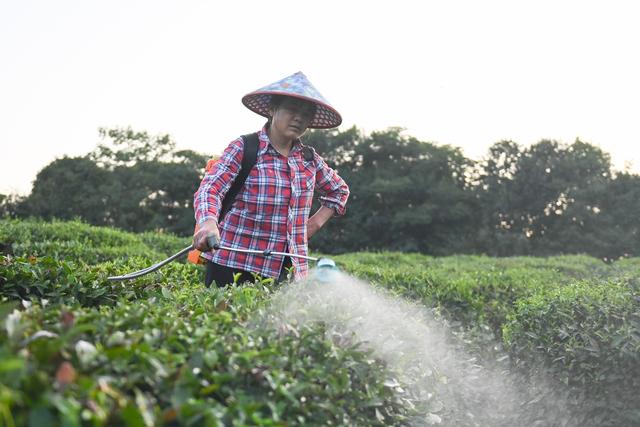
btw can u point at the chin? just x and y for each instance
(294, 134)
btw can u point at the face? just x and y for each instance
(291, 117)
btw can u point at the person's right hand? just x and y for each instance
(201, 236)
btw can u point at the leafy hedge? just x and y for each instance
(587, 336)
(76, 349)
(81, 242)
(571, 324)
(472, 288)
(182, 356)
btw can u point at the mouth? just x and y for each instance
(296, 128)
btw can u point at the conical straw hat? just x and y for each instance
(298, 86)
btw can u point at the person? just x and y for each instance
(272, 209)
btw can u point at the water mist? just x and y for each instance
(431, 367)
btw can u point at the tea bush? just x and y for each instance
(587, 336)
(81, 242)
(471, 288)
(77, 349)
(183, 356)
(572, 321)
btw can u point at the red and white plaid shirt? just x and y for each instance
(271, 210)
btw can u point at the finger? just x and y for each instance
(213, 241)
(201, 242)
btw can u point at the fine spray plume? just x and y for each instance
(448, 384)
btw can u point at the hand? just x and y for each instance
(206, 232)
(318, 219)
(312, 228)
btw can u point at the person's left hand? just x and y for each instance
(318, 219)
(312, 228)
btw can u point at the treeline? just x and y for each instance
(131, 180)
(549, 198)
(406, 194)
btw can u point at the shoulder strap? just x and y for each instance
(249, 158)
(308, 153)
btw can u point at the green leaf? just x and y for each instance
(11, 364)
(40, 416)
(5, 309)
(132, 416)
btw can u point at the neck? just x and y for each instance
(280, 143)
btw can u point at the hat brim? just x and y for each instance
(326, 116)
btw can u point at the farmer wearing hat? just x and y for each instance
(271, 210)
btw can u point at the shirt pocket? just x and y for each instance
(266, 186)
(304, 184)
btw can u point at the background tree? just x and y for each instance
(617, 231)
(126, 147)
(543, 200)
(11, 205)
(67, 188)
(132, 180)
(497, 232)
(405, 194)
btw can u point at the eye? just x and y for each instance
(308, 113)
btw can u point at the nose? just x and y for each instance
(298, 118)
(302, 116)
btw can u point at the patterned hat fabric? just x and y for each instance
(298, 86)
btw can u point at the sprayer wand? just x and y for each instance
(213, 243)
(265, 252)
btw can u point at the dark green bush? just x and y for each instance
(471, 288)
(185, 356)
(585, 335)
(32, 278)
(76, 349)
(78, 241)
(170, 352)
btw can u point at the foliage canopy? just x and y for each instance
(406, 195)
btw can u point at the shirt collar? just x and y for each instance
(265, 143)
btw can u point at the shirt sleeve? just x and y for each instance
(334, 190)
(207, 201)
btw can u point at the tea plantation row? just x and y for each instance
(76, 349)
(570, 324)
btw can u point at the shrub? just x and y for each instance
(585, 335)
(184, 357)
(80, 242)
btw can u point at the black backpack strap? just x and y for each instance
(308, 153)
(249, 158)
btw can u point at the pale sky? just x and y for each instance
(463, 73)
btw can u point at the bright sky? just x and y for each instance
(463, 73)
